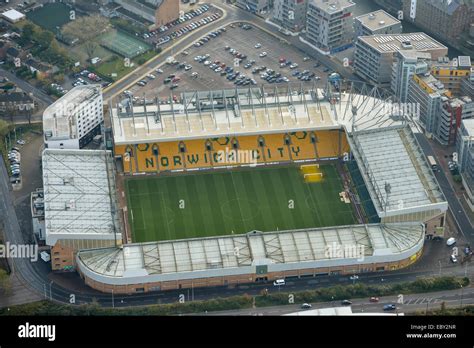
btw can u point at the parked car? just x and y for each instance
(263, 54)
(306, 306)
(346, 302)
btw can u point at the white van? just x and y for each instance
(279, 282)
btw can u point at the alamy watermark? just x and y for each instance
(236, 156)
(19, 251)
(345, 251)
(411, 110)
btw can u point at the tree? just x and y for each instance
(28, 31)
(45, 38)
(87, 30)
(5, 284)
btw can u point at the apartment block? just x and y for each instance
(290, 14)
(330, 24)
(377, 22)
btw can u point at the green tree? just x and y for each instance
(5, 284)
(45, 38)
(87, 30)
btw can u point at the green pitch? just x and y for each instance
(223, 203)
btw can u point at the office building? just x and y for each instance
(157, 12)
(406, 64)
(377, 22)
(374, 55)
(465, 151)
(443, 19)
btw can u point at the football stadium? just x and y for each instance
(218, 188)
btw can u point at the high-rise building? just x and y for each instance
(406, 64)
(73, 120)
(290, 14)
(329, 24)
(255, 6)
(453, 111)
(452, 72)
(444, 19)
(377, 22)
(374, 55)
(427, 92)
(465, 152)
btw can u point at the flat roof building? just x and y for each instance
(80, 209)
(377, 22)
(374, 55)
(74, 119)
(13, 16)
(330, 24)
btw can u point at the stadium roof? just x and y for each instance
(241, 254)
(396, 172)
(247, 111)
(78, 203)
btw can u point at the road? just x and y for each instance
(411, 303)
(455, 207)
(28, 88)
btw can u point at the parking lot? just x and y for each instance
(190, 74)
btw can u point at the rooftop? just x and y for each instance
(332, 6)
(186, 259)
(245, 112)
(389, 43)
(13, 15)
(396, 171)
(60, 118)
(79, 199)
(377, 19)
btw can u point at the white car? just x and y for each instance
(258, 45)
(354, 277)
(151, 76)
(159, 71)
(188, 67)
(21, 142)
(207, 62)
(263, 54)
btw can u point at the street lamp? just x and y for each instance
(462, 292)
(113, 302)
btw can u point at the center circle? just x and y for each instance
(230, 208)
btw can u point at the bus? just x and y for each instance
(432, 163)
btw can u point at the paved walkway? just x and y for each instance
(19, 294)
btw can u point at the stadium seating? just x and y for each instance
(330, 144)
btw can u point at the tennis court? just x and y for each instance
(123, 44)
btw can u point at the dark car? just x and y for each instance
(346, 302)
(389, 307)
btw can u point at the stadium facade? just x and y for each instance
(215, 130)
